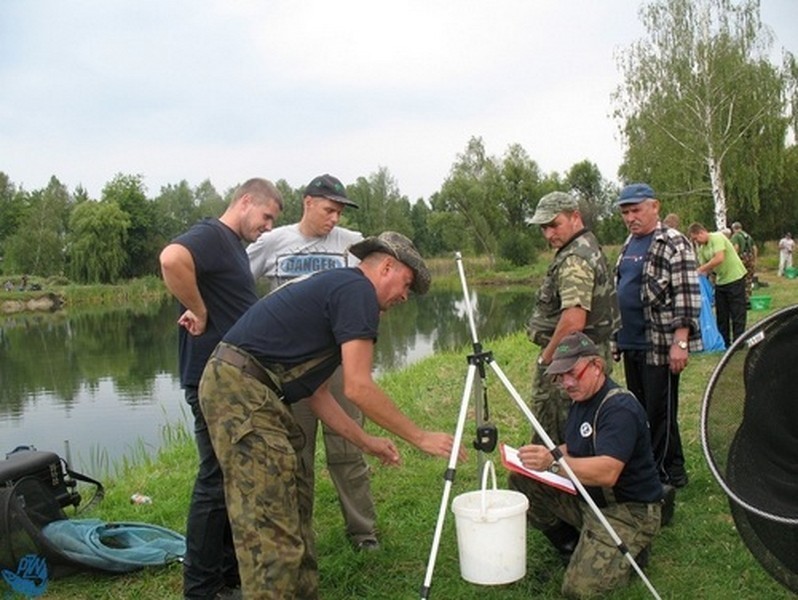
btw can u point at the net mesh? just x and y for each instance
(749, 433)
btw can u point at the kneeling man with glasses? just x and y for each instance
(608, 447)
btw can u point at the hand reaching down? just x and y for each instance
(384, 449)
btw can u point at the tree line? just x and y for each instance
(704, 116)
(480, 210)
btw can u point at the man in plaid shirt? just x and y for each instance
(659, 299)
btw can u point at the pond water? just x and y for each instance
(106, 381)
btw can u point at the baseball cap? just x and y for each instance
(570, 349)
(635, 193)
(327, 186)
(402, 249)
(552, 205)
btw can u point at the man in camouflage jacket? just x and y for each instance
(577, 294)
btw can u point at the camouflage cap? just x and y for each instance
(400, 248)
(570, 349)
(552, 205)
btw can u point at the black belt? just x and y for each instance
(248, 365)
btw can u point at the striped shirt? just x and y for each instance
(669, 292)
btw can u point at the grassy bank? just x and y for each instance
(479, 270)
(699, 556)
(72, 295)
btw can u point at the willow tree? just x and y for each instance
(96, 242)
(702, 110)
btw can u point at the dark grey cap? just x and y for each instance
(327, 186)
(570, 349)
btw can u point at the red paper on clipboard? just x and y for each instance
(511, 461)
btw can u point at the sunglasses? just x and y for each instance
(558, 379)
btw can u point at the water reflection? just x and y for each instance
(439, 321)
(107, 380)
(104, 380)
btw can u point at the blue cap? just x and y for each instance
(635, 193)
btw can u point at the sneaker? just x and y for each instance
(367, 545)
(668, 504)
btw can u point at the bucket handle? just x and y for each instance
(488, 467)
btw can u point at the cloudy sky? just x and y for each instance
(230, 89)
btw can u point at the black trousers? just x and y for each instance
(730, 308)
(210, 562)
(657, 389)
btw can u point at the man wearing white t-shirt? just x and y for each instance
(315, 244)
(786, 246)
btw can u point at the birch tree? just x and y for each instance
(702, 111)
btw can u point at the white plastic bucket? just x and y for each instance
(491, 533)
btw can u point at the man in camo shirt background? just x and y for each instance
(577, 294)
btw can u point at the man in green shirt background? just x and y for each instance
(715, 253)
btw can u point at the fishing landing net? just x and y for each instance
(749, 433)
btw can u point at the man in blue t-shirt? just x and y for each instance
(608, 448)
(285, 348)
(660, 300)
(316, 243)
(207, 270)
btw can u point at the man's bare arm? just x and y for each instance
(180, 278)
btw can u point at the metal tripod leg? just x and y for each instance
(449, 478)
(479, 417)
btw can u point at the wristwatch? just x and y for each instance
(681, 343)
(554, 467)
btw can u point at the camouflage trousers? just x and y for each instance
(748, 261)
(550, 404)
(268, 499)
(597, 565)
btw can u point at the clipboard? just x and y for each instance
(511, 461)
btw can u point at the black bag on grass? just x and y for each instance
(54, 473)
(26, 507)
(33, 494)
(35, 488)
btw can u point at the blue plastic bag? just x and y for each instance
(710, 335)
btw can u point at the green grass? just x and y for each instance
(699, 556)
